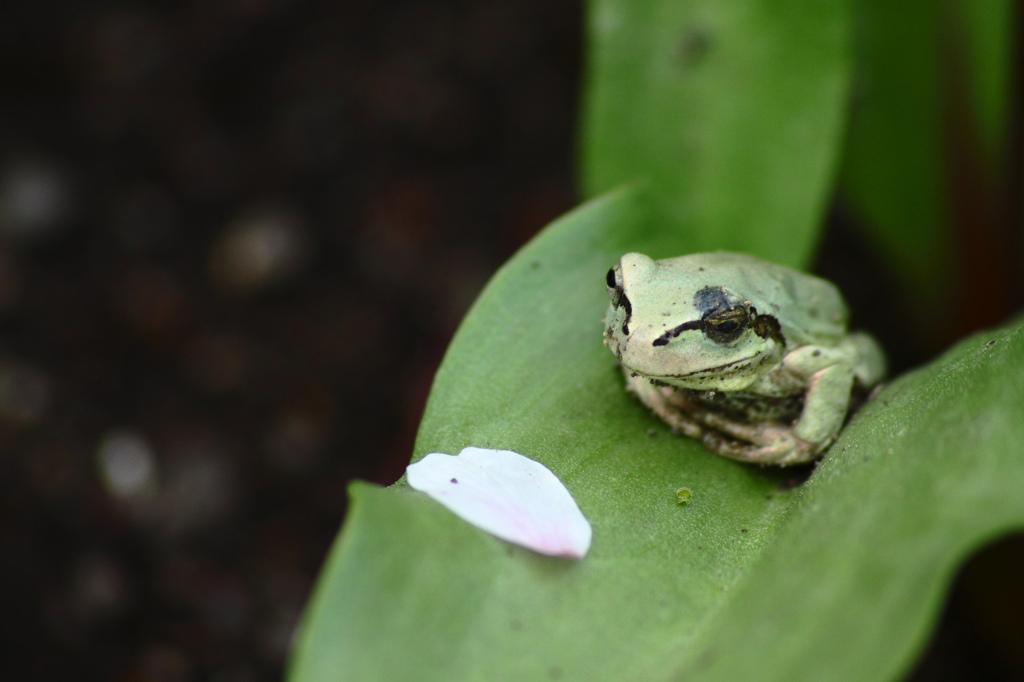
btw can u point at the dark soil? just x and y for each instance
(235, 238)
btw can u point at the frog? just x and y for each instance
(753, 359)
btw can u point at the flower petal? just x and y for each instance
(508, 495)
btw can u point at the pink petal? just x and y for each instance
(510, 496)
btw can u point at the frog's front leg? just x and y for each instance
(825, 407)
(829, 383)
(828, 380)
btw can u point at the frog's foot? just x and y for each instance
(785, 451)
(758, 443)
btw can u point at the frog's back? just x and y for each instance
(810, 310)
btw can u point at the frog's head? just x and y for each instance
(682, 324)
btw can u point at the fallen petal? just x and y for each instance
(510, 496)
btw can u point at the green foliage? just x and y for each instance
(725, 120)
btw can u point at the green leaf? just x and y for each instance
(892, 173)
(851, 581)
(528, 372)
(836, 579)
(732, 111)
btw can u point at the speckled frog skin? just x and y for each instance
(751, 358)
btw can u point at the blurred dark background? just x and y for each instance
(235, 239)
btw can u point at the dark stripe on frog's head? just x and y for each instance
(765, 326)
(676, 331)
(707, 301)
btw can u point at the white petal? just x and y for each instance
(510, 496)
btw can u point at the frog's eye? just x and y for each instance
(726, 325)
(616, 294)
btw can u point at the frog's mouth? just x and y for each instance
(728, 376)
(726, 368)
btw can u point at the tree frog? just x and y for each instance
(751, 358)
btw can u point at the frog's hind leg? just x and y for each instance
(763, 443)
(788, 450)
(760, 443)
(656, 398)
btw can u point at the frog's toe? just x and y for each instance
(787, 450)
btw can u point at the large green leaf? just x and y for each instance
(849, 584)
(732, 111)
(834, 579)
